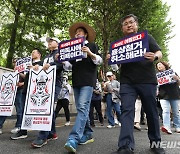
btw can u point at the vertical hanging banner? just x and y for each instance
(8, 93)
(129, 49)
(39, 103)
(165, 77)
(71, 49)
(23, 63)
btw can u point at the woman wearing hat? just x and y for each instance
(84, 75)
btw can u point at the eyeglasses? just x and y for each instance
(130, 22)
(109, 76)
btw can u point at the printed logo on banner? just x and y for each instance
(165, 77)
(129, 49)
(23, 63)
(71, 49)
(7, 90)
(39, 103)
(40, 94)
(8, 93)
(28, 122)
(40, 88)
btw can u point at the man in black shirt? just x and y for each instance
(139, 78)
(50, 60)
(36, 62)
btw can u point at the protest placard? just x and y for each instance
(8, 93)
(23, 63)
(129, 49)
(39, 104)
(165, 77)
(71, 49)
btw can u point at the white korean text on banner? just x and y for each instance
(8, 93)
(23, 63)
(71, 49)
(165, 77)
(129, 49)
(39, 103)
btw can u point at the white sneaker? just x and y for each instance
(177, 130)
(166, 130)
(137, 126)
(116, 121)
(110, 126)
(15, 130)
(67, 123)
(0, 131)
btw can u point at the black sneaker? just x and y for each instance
(19, 135)
(52, 137)
(125, 150)
(92, 125)
(158, 150)
(38, 143)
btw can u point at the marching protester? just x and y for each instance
(84, 75)
(112, 88)
(96, 103)
(63, 100)
(139, 79)
(17, 103)
(51, 60)
(169, 99)
(36, 61)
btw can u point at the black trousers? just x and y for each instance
(129, 93)
(97, 105)
(65, 104)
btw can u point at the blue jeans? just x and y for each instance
(167, 105)
(19, 107)
(44, 134)
(110, 105)
(147, 94)
(82, 125)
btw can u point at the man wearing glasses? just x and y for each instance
(139, 78)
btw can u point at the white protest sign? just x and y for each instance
(8, 93)
(165, 77)
(39, 103)
(23, 63)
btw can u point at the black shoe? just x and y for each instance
(102, 124)
(142, 123)
(38, 143)
(52, 137)
(92, 125)
(19, 135)
(123, 150)
(158, 150)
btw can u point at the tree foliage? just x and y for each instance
(24, 23)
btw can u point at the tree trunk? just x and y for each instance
(105, 44)
(13, 36)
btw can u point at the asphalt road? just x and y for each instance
(105, 141)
